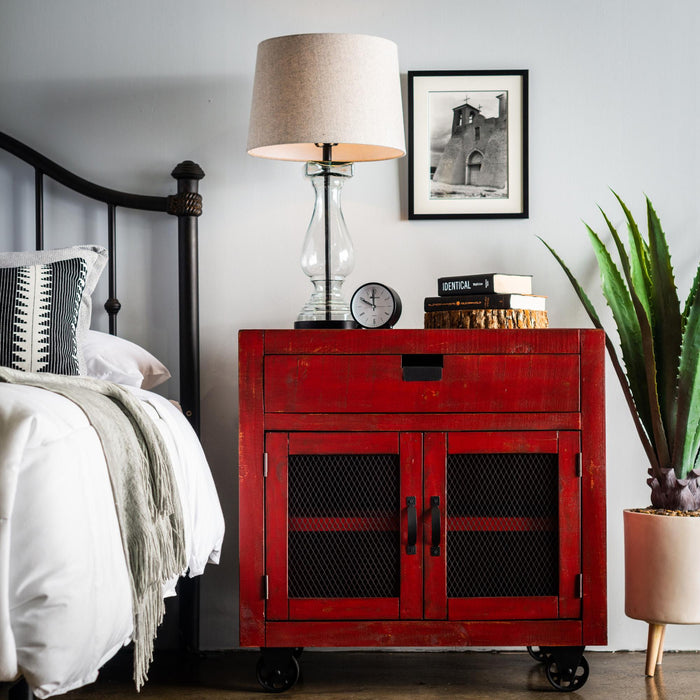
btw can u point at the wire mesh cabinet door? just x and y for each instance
(342, 526)
(505, 526)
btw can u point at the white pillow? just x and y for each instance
(118, 360)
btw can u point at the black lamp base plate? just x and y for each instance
(325, 324)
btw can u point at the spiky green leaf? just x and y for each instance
(687, 437)
(658, 427)
(640, 278)
(614, 358)
(587, 305)
(691, 297)
(631, 275)
(666, 321)
(634, 333)
(640, 287)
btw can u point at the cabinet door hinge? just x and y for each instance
(579, 586)
(264, 464)
(266, 587)
(579, 465)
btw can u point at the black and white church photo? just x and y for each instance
(467, 144)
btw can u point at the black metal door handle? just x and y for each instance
(412, 535)
(435, 526)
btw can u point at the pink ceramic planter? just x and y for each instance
(662, 576)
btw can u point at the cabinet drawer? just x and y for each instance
(396, 384)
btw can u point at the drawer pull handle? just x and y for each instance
(412, 525)
(435, 526)
(421, 368)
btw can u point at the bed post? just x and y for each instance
(187, 206)
(20, 691)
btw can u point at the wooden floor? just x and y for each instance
(335, 675)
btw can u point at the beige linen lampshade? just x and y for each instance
(339, 89)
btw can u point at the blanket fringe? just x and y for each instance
(147, 619)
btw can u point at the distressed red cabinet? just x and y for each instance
(420, 488)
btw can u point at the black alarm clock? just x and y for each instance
(374, 305)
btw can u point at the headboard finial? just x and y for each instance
(187, 202)
(187, 170)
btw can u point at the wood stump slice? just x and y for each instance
(486, 318)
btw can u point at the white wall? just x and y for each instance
(122, 90)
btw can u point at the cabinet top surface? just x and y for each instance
(453, 341)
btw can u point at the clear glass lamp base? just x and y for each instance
(327, 256)
(320, 312)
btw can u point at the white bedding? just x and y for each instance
(65, 601)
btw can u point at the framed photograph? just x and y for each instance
(467, 144)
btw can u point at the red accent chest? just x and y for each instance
(421, 488)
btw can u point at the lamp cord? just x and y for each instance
(327, 158)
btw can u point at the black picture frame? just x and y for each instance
(470, 129)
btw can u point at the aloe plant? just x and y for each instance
(660, 346)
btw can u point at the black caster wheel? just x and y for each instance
(277, 679)
(567, 678)
(537, 654)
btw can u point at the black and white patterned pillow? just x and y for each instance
(39, 307)
(95, 257)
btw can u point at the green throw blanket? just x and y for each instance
(145, 494)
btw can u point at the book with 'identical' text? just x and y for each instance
(489, 283)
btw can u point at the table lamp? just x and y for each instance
(330, 100)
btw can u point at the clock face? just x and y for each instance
(375, 305)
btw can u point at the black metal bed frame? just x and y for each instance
(186, 205)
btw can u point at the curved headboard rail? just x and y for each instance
(186, 205)
(45, 166)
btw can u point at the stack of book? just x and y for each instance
(492, 300)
